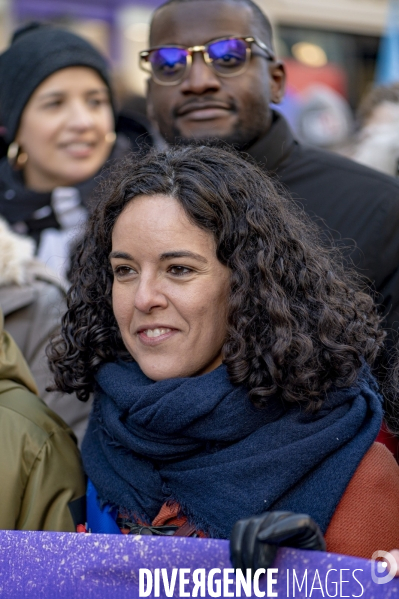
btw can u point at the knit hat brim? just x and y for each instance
(32, 58)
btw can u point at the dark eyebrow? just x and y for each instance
(98, 90)
(50, 95)
(55, 94)
(165, 256)
(183, 254)
(121, 255)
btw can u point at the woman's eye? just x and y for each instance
(53, 104)
(123, 271)
(95, 102)
(180, 270)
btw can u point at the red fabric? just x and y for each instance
(169, 514)
(81, 528)
(367, 517)
(389, 440)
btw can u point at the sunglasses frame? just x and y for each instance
(145, 65)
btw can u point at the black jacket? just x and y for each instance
(357, 205)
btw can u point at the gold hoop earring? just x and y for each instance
(22, 158)
(15, 156)
(110, 137)
(12, 152)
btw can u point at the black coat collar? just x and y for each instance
(275, 146)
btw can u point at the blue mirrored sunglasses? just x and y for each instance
(228, 57)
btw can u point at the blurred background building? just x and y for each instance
(330, 48)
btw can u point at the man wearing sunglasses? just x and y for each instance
(210, 72)
(213, 74)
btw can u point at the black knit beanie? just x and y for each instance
(36, 52)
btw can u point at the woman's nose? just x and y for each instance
(149, 295)
(80, 116)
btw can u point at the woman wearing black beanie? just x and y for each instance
(57, 107)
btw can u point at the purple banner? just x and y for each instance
(49, 565)
(83, 9)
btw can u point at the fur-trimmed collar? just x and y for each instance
(16, 252)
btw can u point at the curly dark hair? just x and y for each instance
(390, 387)
(298, 320)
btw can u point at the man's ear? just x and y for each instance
(277, 81)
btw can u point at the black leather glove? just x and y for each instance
(254, 541)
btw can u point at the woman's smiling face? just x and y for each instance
(65, 129)
(170, 291)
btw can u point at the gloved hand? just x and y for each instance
(254, 541)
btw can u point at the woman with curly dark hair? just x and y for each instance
(229, 354)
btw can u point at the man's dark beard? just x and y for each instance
(241, 138)
(235, 141)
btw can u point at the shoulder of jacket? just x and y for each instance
(27, 413)
(377, 463)
(15, 297)
(40, 272)
(43, 292)
(359, 172)
(367, 517)
(31, 436)
(377, 473)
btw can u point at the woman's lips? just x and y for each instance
(155, 336)
(78, 149)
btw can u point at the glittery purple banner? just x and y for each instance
(45, 565)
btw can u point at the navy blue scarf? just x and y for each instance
(199, 441)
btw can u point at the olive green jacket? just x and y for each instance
(40, 467)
